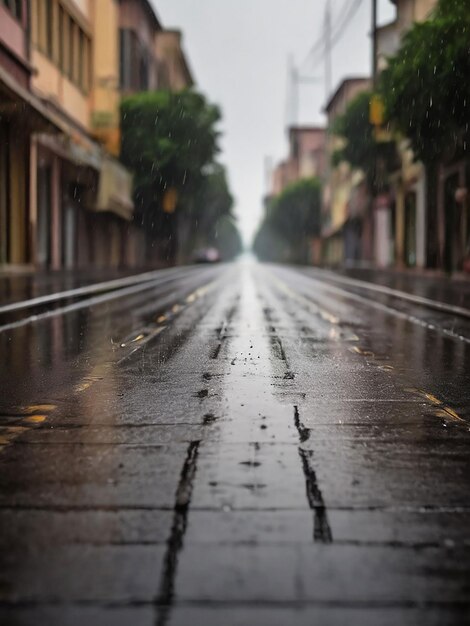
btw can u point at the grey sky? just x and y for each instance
(238, 52)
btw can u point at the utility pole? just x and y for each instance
(294, 81)
(328, 61)
(295, 93)
(291, 93)
(374, 43)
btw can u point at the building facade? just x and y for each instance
(79, 223)
(306, 158)
(65, 199)
(413, 229)
(21, 115)
(345, 223)
(173, 72)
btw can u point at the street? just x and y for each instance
(237, 444)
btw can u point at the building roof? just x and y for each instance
(182, 57)
(148, 5)
(343, 84)
(301, 129)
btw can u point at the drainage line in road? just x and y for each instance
(321, 527)
(178, 530)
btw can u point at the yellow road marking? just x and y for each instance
(361, 351)
(83, 386)
(35, 408)
(35, 419)
(444, 410)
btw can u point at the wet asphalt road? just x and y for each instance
(236, 445)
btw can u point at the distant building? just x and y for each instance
(306, 157)
(138, 28)
(344, 224)
(173, 72)
(307, 151)
(151, 57)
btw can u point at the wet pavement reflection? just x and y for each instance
(239, 445)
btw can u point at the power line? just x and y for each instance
(354, 9)
(348, 10)
(318, 46)
(320, 51)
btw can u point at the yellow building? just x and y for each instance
(21, 114)
(61, 38)
(80, 194)
(105, 94)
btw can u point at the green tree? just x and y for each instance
(268, 245)
(226, 238)
(292, 219)
(211, 219)
(426, 85)
(211, 201)
(170, 141)
(361, 150)
(426, 91)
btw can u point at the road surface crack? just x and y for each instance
(321, 527)
(178, 529)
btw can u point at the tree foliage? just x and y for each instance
(291, 220)
(426, 86)
(361, 150)
(210, 216)
(212, 199)
(268, 245)
(170, 141)
(226, 238)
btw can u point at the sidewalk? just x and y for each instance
(427, 284)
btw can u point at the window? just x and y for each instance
(59, 36)
(49, 17)
(84, 61)
(71, 46)
(62, 40)
(125, 58)
(143, 71)
(81, 57)
(15, 6)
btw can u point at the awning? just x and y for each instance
(50, 127)
(114, 189)
(31, 105)
(76, 148)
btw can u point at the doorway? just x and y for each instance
(44, 203)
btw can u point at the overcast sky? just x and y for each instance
(238, 52)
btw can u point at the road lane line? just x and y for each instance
(396, 293)
(381, 307)
(110, 285)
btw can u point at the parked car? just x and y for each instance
(206, 255)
